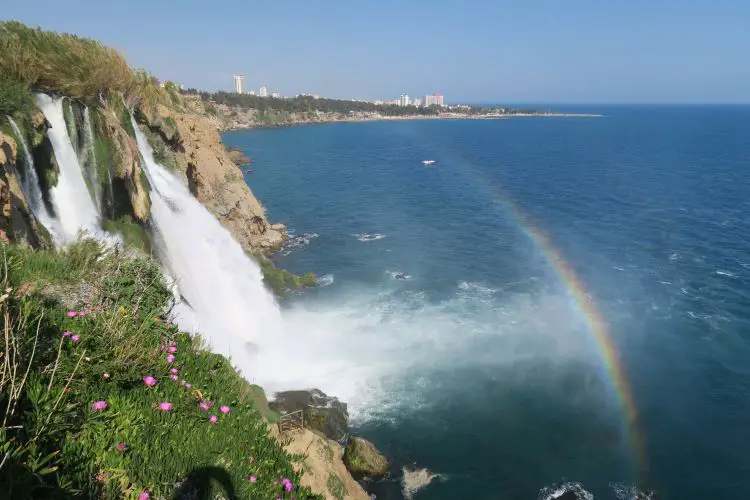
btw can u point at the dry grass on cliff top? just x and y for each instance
(69, 65)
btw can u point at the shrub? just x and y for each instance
(15, 96)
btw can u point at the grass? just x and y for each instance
(55, 444)
(15, 97)
(134, 235)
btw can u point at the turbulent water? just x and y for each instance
(73, 205)
(32, 190)
(455, 341)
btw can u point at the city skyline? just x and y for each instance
(576, 52)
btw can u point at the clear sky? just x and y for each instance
(514, 51)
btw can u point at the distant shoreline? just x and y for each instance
(444, 116)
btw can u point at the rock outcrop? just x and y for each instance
(16, 219)
(213, 177)
(325, 473)
(127, 176)
(325, 414)
(362, 459)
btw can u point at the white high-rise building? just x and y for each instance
(276, 95)
(252, 92)
(263, 92)
(239, 80)
(403, 100)
(433, 100)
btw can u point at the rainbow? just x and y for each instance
(595, 322)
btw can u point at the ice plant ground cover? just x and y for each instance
(102, 417)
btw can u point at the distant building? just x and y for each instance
(416, 102)
(403, 100)
(252, 92)
(276, 95)
(239, 80)
(433, 100)
(263, 92)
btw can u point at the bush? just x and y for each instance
(56, 442)
(15, 97)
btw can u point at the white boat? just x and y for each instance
(428, 162)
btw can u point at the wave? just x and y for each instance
(566, 491)
(295, 241)
(325, 280)
(364, 237)
(399, 276)
(728, 274)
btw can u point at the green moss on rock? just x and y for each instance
(363, 459)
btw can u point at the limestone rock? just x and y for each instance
(215, 180)
(239, 157)
(322, 413)
(128, 174)
(363, 459)
(325, 473)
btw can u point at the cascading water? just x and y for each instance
(89, 160)
(31, 188)
(70, 197)
(222, 288)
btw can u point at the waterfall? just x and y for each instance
(89, 158)
(224, 296)
(32, 189)
(70, 197)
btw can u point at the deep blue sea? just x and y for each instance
(459, 347)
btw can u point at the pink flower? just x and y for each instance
(174, 377)
(213, 419)
(99, 405)
(144, 496)
(252, 479)
(172, 349)
(149, 380)
(205, 405)
(287, 485)
(170, 358)
(188, 386)
(224, 409)
(174, 370)
(72, 314)
(67, 334)
(121, 447)
(165, 406)
(105, 375)
(163, 348)
(75, 338)
(81, 314)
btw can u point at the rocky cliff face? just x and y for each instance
(16, 220)
(194, 150)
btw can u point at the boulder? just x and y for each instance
(239, 157)
(322, 413)
(363, 459)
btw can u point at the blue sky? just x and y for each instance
(524, 51)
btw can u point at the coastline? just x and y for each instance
(363, 119)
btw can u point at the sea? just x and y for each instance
(558, 306)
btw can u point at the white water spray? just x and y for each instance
(70, 197)
(224, 296)
(31, 188)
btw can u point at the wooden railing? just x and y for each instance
(291, 421)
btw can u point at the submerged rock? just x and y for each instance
(363, 459)
(321, 412)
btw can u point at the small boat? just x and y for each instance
(428, 162)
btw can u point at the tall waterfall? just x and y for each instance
(31, 188)
(70, 197)
(224, 296)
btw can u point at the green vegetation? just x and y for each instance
(281, 281)
(336, 486)
(133, 234)
(80, 419)
(15, 97)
